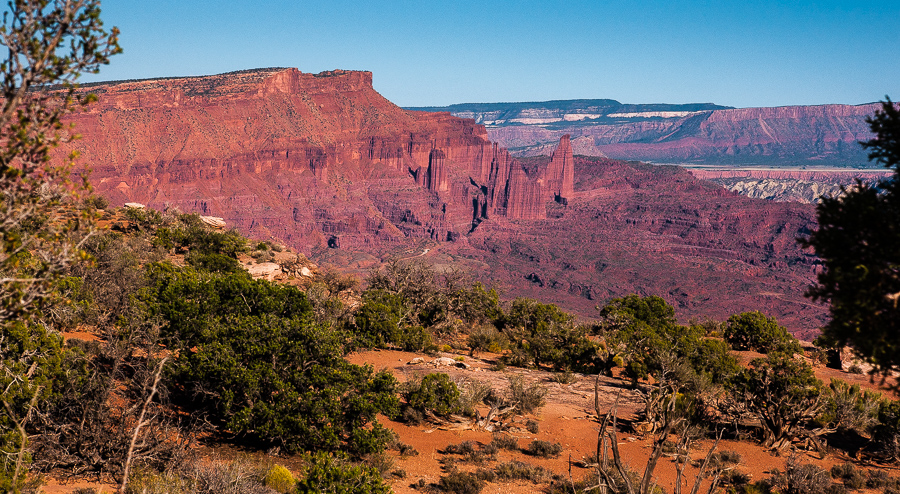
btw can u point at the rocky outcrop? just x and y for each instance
(437, 174)
(797, 185)
(525, 198)
(656, 230)
(790, 135)
(326, 165)
(560, 174)
(325, 152)
(832, 175)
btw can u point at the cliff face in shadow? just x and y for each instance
(327, 165)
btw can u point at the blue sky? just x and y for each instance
(422, 53)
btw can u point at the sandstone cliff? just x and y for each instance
(791, 135)
(327, 165)
(315, 159)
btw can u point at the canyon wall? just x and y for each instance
(702, 133)
(325, 164)
(315, 159)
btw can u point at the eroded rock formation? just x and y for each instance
(323, 151)
(798, 185)
(327, 165)
(699, 133)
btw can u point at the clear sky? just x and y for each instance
(430, 53)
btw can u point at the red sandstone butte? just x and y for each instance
(309, 158)
(326, 164)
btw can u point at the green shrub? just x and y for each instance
(546, 336)
(380, 319)
(327, 474)
(435, 393)
(35, 365)
(144, 219)
(652, 310)
(781, 392)
(213, 262)
(848, 407)
(887, 431)
(487, 339)
(642, 337)
(259, 367)
(96, 202)
(754, 331)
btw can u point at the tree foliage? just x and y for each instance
(250, 355)
(435, 393)
(754, 331)
(857, 241)
(782, 393)
(48, 43)
(329, 474)
(441, 302)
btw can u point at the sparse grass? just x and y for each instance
(460, 483)
(508, 443)
(463, 448)
(800, 478)
(382, 462)
(519, 470)
(529, 398)
(849, 475)
(470, 453)
(406, 450)
(880, 479)
(472, 393)
(543, 449)
(567, 377)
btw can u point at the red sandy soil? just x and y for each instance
(568, 418)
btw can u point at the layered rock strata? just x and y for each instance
(315, 159)
(789, 135)
(327, 165)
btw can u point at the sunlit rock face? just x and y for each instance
(305, 157)
(692, 133)
(329, 166)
